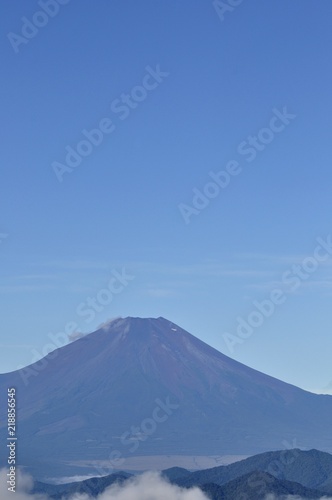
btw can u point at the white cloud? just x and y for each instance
(24, 486)
(148, 486)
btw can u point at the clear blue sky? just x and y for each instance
(222, 81)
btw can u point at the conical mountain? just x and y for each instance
(146, 387)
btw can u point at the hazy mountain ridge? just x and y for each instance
(247, 482)
(312, 469)
(258, 485)
(93, 486)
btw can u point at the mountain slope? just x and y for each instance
(91, 487)
(257, 485)
(145, 387)
(312, 469)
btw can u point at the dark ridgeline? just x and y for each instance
(305, 474)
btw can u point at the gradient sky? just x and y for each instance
(61, 242)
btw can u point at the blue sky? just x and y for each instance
(199, 86)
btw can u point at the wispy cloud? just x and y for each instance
(75, 336)
(306, 286)
(25, 288)
(17, 346)
(251, 271)
(77, 264)
(161, 293)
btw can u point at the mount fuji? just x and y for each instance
(147, 389)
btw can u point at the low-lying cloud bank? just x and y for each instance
(148, 486)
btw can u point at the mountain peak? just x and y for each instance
(93, 392)
(140, 330)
